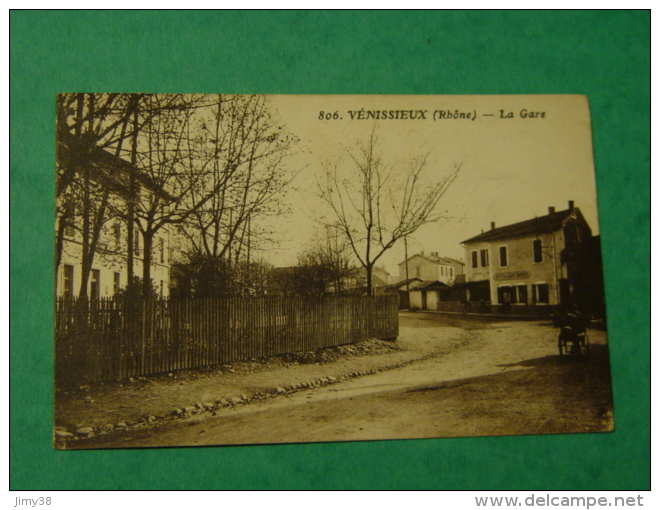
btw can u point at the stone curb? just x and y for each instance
(61, 435)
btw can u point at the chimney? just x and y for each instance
(551, 210)
(492, 225)
(571, 205)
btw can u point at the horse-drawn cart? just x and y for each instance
(573, 337)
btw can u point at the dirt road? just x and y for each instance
(501, 378)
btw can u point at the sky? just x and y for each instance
(513, 165)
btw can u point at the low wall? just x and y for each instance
(487, 308)
(451, 306)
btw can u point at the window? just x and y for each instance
(484, 258)
(451, 271)
(117, 232)
(136, 244)
(540, 293)
(117, 283)
(514, 294)
(161, 247)
(474, 259)
(537, 248)
(162, 288)
(95, 284)
(504, 295)
(570, 235)
(69, 230)
(68, 280)
(503, 257)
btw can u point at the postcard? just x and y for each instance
(263, 269)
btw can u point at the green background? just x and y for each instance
(603, 54)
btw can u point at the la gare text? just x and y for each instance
(449, 114)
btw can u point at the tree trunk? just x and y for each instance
(87, 253)
(87, 211)
(369, 269)
(130, 221)
(62, 224)
(148, 238)
(65, 220)
(130, 233)
(92, 236)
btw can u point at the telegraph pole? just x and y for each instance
(405, 244)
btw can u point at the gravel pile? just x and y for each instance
(331, 354)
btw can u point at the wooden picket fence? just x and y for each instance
(106, 339)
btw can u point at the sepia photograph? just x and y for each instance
(265, 269)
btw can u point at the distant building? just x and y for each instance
(431, 267)
(543, 261)
(401, 288)
(300, 280)
(380, 279)
(426, 295)
(416, 294)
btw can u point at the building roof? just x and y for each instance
(454, 261)
(402, 283)
(376, 280)
(436, 259)
(284, 271)
(107, 168)
(381, 270)
(111, 166)
(548, 223)
(429, 285)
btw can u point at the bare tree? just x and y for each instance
(212, 163)
(375, 204)
(253, 277)
(245, 149)
(170, 170)
(325, 267)
(312, 276)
